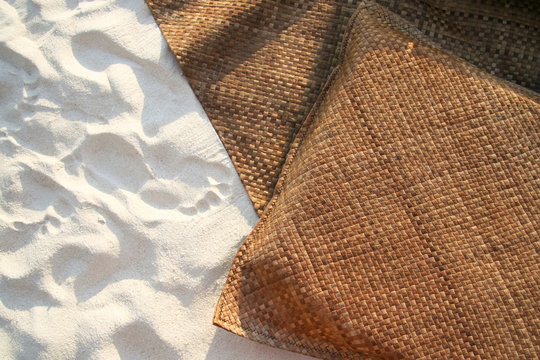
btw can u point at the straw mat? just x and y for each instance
(257, 67)
(395, 165)
(405, 221)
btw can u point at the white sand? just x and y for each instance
(120, 211)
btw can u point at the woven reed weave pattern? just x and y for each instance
(500, 37)
(405, 222)
(257, 67)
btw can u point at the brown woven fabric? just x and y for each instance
(257, 67)
(405, 222)
(501, 37)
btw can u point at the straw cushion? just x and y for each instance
(405, 221)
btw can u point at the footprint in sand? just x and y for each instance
(25, 292)
(190, 184)
(41, 203)
(109, 162)
(131, 81)
(81, 271)
(99, 62)
(19, 82)
(133, 340)
(162, 179)
(20, 75)
(29, 90)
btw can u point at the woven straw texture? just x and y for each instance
(257, 67)
(405, 221)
